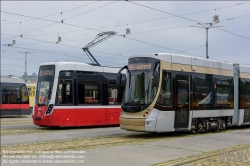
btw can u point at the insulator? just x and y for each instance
(216, 18)
(59, 39)
(127, 31)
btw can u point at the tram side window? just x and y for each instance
(64, 92)
(203, 91)
(242, 93)
(89, 92)
(24, 93)
(11, 95)
(113, 93)
(164, 98)
(223, 94)
(182, 90)
(246, 102)
(247, 94)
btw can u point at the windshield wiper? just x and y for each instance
(48, 93)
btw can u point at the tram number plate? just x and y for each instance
(38, 118)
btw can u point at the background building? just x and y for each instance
(32, 78)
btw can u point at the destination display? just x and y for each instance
(47, 71)
(139, 66)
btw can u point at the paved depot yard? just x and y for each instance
(147, 149)
(16, 119)
(150, 153)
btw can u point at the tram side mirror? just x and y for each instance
(155, 79)
(119, 76)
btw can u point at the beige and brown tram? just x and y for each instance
(169, 92)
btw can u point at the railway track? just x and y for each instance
(236, 155)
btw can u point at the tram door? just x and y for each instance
(182, 102)
(90, 110)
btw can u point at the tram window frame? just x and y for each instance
(230, 101)
(198, 81)
(169, 74)
(13, 91)
(112, 89)
(110, 92)
(245, 98)
(247, 93)
(241, 93)
(72, 91)
(83, 83)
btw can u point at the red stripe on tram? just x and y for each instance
(14, 106)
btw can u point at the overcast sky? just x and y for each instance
(39, 37)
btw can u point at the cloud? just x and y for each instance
(222, 45)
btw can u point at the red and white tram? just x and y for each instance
(14, 99)
(77, 94)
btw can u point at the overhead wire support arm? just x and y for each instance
(99, 38)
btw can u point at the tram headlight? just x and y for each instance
(49, 110)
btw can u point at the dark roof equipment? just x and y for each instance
(99, 38)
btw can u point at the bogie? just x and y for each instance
(210, 124)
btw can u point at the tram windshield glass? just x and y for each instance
(44, 85)
(142, 84)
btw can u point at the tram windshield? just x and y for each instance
(45, 85)
(142, 84)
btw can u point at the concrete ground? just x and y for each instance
(155, 151)
(18, 126)
(62, 134)
(159, 151)
(16, 120)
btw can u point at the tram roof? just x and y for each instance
(244, 68)
(11, 79)
(63, 63)
(30, 84)
(82, 67)
(194, 61)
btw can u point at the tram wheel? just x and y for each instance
(217, 129)
(199, 127)
(195, 131)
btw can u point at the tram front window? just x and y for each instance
(44, 85)
(44, 92)
(141, 85)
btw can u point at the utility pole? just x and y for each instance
(208, 25)
(25, 73)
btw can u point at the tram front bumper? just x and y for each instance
(40, 120)
(132, 124)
